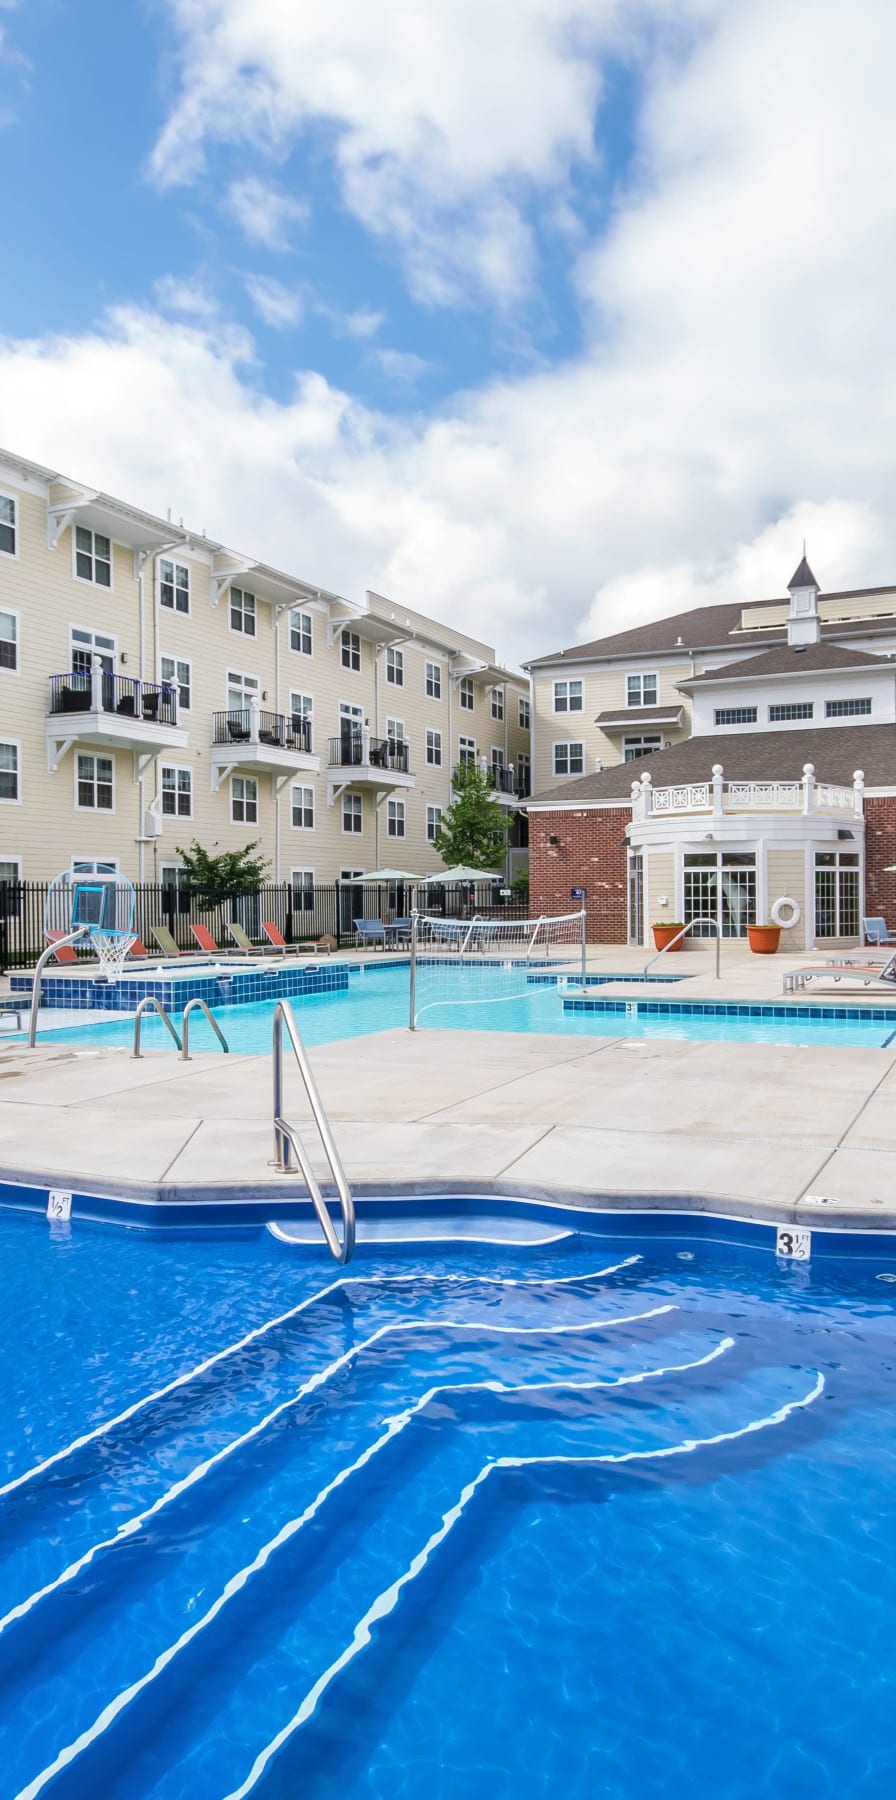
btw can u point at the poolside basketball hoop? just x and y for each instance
(103, 902)
(111, 949)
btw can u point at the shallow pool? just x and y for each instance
(601, 1517)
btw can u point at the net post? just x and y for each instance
(413, 983)
(583, 947)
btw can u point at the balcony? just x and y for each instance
(261, 742)
(725, 808)
(505, 782)
(117, 712)
(358, 760)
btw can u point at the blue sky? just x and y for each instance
(546, 316)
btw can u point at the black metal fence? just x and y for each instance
(299, 912)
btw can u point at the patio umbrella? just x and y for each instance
(388, 875)
(460, 873)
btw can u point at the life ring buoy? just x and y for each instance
(794, 916)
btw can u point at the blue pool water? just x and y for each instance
(600, 1517)
(489, 998)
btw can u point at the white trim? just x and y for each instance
(89, 580)
(292, 887)
(568, 681)
(174, 610)
(305, 787)
(432, 806)
(345, 631)
(401, 817)
(567, 744)
(107, 755)
(253, 779)
(436, 761)
(235, 630)
(304, 612)
(431, 663)
(83, 649)
(6, 494)
(174, 680)
(642, 675)
(15, 744)
(18, 862)
(357, 811)
(176, 769)
(13, 613)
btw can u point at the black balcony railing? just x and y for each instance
(278, 730)
(352, 751)
(503, 780)
(154, 702)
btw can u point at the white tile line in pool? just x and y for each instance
(386, 1602)
(375, 1231)
(251, 1337)
(319, 1379)
(394, 1426)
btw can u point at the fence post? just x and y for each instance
(412, 993)
(337, 922)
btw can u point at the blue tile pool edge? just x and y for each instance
(603, 1214)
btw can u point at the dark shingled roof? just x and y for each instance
(641, 715)
(803, 578)
(787, 659)
(837, 751)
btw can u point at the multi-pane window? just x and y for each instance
(433, 681)
(303, 808)
(720, 890)
(351, 650)
(569, 759)
(847, 709)
(242, 611)
(7, 525)
(395, 667)
(241, 690)
(395, 734)
(244, 800)
(735, 715)
(177, 793)
(9, 772)
(497, 703)
(645, 744)
(790, 709)
(466, 751)
(303, 890)
(524, 775)
(93, 557)
(395, 818)
(9, 640)
(433, 821)
(567, 696)
(88, 644)
(352, 813)
(177, 672)
(94, 782)
(174, 585)
(641, 690)
(466, 694)
(434, 748)
(301, 636)
(837, 894)
(525, 714)
(302, 710)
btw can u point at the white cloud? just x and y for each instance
(264, 214)
(278, 305)
(363, 323)
(176, 293)
(403, 367)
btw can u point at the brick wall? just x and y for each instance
(880, 849)
(589, 853)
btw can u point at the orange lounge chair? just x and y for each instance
(207, 943)
(64, 953)
(314, 946)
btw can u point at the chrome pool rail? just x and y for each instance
(71, 937)
(702, 919)
(149, 1002)
(287, 1139)
(204, 1007)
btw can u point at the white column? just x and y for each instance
(646, 795)
(718, 790)
(96, 684)
(858, 783)
(808, 787)
(254, 711)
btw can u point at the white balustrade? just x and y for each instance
(695, 796)
(764, 796)
(719, 796)
(834, 799)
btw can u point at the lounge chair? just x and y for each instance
(166, 941)
(207, 943)
(370, 932)
(877, 931)
(322, 946)
(64, 953)
(869, 974)
(244, 944)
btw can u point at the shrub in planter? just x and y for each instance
(665, 931)
(764, 939)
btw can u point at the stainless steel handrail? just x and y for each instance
(150, 1001)
(286, 1138)
(703, 919)
(185, 1027)
(71, 937)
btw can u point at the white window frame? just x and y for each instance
(15, 744)
(303, 789)
(467, 751)
(93, 648)
(525, 713)
(433, 821)
(568, 745)
(300, 880)
(728, 718)
(13, 614)
(180, 612)
(304, 619)
(641, 677)
(497, 707)
(247, 781)
(107, 587)
(353, 807)
(246, 685)
(176, 769)
(394, 666)
(432, 680)
(13, 860)
(13, 554)
(496, 756)
(240, 607)
(301, 706)
(466, 694)
(849, 706)
(789, 712)
(524, 773)
(635, 741)
(349, 648)
(174, 680)
(433, 747)
(94, 756)
(564, 697)
(396, 815)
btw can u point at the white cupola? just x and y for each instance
(803, 624)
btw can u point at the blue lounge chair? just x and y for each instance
(370, 932)
(877, 931)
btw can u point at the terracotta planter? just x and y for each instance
(764, 939)
(663, 935)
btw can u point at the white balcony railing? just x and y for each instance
(720, 798)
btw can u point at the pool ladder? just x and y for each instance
(287, 1140)
(182, 1040)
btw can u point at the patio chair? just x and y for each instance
(877, 931)
(166, 941)
(64, 953)
(207, 943)
(869, 974)
(244, 944)
(322, 946)
(370, 932)
(400, 931)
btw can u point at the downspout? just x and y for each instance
(276, 624)
(377, 733)
(141, 847)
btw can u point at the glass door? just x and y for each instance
(720, 886)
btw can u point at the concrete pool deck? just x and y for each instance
(780, 1132)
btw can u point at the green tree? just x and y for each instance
(474, 827)
(217, 878)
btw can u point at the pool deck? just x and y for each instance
(784, 1132)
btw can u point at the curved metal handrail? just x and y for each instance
(702, 919)
(71, 937)
(150, 1001)
(185, 1027)
(286, 1138)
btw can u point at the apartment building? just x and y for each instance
(157, 686)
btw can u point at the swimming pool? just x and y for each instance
(493, 998)
(598, 1516)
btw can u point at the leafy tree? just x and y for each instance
(474, 827)
(217, 878)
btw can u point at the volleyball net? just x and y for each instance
(485, 962)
